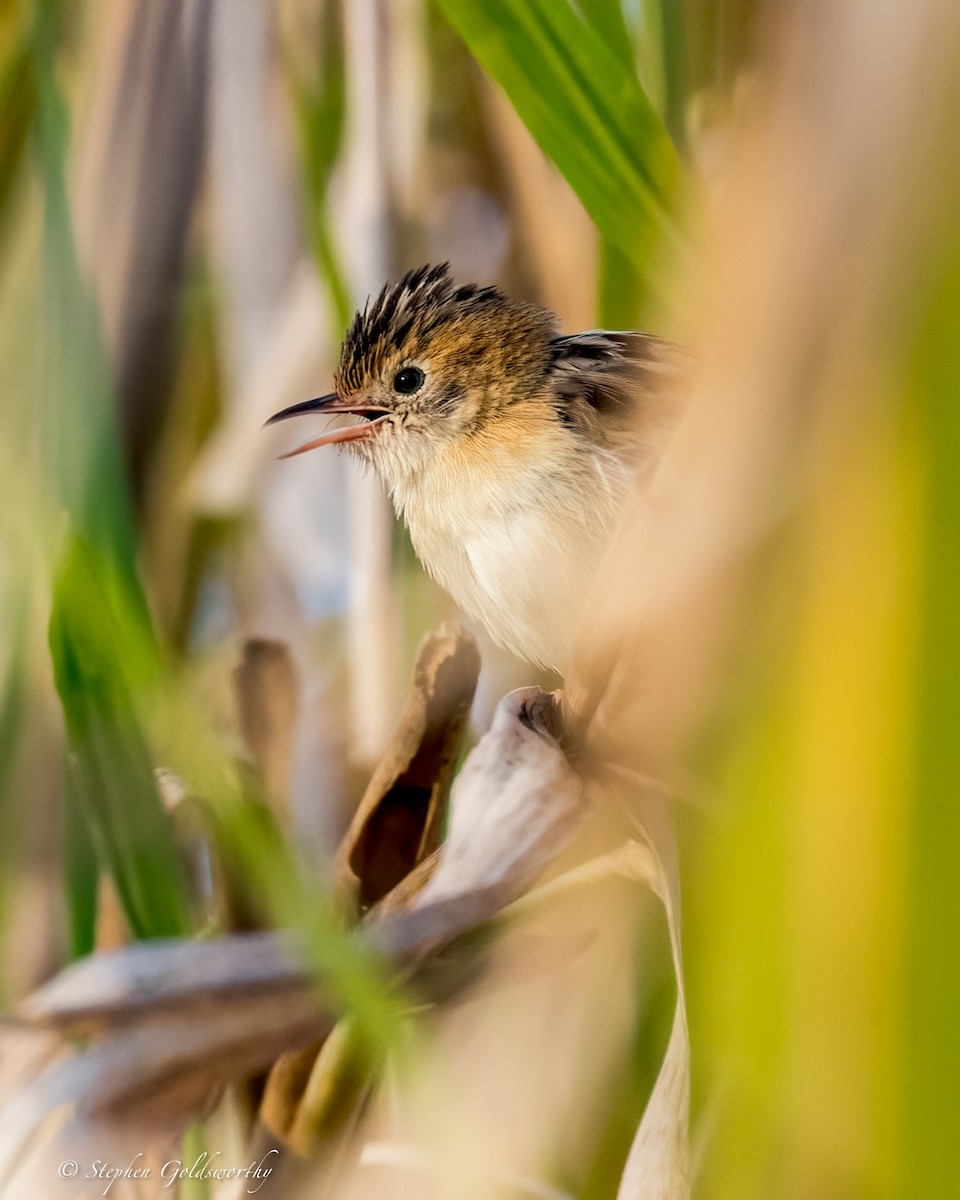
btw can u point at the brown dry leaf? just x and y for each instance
(400, 897)
(170, 1022)
(107, 990)
(338, 1078)
(313, 1097)
(386, 854)
(285, 1088)
(516, 805)
(268, 701)
(509, 1080)
(399, 820)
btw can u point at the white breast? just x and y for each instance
(517, 544)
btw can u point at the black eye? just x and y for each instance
(409, 380)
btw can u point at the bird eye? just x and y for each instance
(409, 380)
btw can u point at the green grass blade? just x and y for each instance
(671, 40)
(106, 660)
(81, 870)
(250, 845)
(587, 111)
(621, 289)
(98, 665)
(606, 17)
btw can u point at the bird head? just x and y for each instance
(428, 364)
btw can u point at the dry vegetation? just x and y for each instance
(431, 946)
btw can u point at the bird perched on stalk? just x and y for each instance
(506, 447)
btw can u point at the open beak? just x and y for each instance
(333, 406)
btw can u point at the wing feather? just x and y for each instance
(620, 390)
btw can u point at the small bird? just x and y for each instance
(506, 447)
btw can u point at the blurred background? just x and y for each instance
(195, 195)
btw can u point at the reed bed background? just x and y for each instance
(194, 196)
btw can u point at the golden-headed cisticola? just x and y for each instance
(506, 446)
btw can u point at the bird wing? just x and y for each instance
(619, 390)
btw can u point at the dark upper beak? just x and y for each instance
(332, 405)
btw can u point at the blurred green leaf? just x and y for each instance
(86, 462)
(620, 287)
(97, 664)
(81, 870)
(606, 17)
(588, 112)
(13, 693)
(321, 108)
(17, 104)
(105, 657)
(350, 970)
(672, 56)
(930, 1086)
(194, 1144)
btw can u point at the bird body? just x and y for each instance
(506, 447)
(521, 545)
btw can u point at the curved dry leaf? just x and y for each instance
(171, 1022)
(401, 896)
(399, 820)
(106, 990)
(658, 1165)
(515, 806)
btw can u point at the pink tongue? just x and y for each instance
(350, 433)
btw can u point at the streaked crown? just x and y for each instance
(465, 332)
